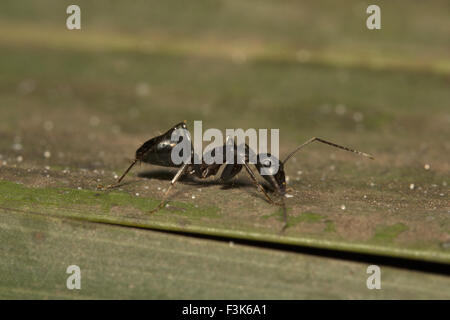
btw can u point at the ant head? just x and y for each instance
(272, 170)
(158, 149)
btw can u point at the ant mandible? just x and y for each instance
(158, 151)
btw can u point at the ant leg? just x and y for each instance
(172, 183)
(257, 184)
(329, 143)
(282, 201)
(120, 179)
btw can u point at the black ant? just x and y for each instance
(158, 151)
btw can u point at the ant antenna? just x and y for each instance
(329, 143)
(126, 171)
(120, 179)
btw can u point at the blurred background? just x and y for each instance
(75, 105)
(309, 68)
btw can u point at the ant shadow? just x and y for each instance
(167, 175)
(191, 180)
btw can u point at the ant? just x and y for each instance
(158, 151)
